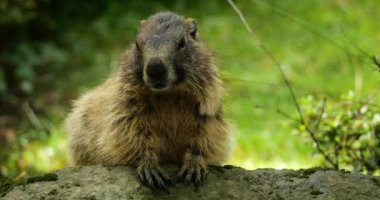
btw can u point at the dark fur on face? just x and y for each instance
(167, 50)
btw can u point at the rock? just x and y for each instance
(120, 182)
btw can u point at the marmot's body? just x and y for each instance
(162, 105)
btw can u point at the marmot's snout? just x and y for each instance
(157, 74)
(159, 71)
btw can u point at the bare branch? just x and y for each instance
(225, 78)
(269, 53)
(278, 111)
(376, 62)
(320, 114)
(242, 18)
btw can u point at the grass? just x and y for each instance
(318, 43)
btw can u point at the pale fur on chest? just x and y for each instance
(174, 122)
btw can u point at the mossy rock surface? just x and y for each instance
(120, 182)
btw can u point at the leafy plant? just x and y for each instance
(346, 132)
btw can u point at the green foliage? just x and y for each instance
(346, 131)
(38, 58)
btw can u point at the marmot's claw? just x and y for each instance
(155, 179)
(195, 174)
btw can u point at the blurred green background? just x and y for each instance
(51, 51)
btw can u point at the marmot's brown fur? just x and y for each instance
(162, 105)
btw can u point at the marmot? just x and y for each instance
(162, 105)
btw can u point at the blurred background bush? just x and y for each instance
(51, 51)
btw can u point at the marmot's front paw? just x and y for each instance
(192, 172)
(154, 177)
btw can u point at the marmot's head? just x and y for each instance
(168, 51)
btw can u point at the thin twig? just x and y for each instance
(336, 153)
(242, 18)
(376, 62)
(373, 57)
(353, 43)
(36, 122)
(319, 148)
(269, 53)
(251, 82)
(320, 114)
(286, 81)
(278, 111)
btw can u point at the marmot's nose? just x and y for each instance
(156, 69)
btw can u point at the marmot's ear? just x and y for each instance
(142, 22)
(193, 27)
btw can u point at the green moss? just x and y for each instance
(7, 185)
(76, 184)
(305, 173)
(246, 178)
(45, 177)
(76, 169)
(278, 197)
(310, 171)
(375, 181)
(219, 169)
(344, 171)
(316, 192)
(53, 192)
(230, 166)
(92, 197)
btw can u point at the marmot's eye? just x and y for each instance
(181, 44)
